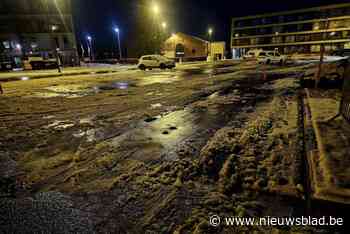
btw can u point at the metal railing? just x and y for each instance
(345, 102)
(344, 108)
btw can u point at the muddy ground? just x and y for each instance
(153, 152)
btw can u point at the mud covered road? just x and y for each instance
(152, 152)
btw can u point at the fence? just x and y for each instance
(345, 102)
(344, 108)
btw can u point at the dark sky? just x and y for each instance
(97, 17)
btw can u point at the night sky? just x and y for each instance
(97, 17)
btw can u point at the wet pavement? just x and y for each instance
(135, 136)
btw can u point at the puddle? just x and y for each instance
(68, 91)
(112, 86)
(150, 119)
(53, 95)
(194, 71)
(77, 90)
(163, 136)
(74, 88)
(161, 79)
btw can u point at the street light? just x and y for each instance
(58, 61)
(54, 28)
(119, 48)
(156, 9)
(89, 40)
(164, 25)
(210, 32)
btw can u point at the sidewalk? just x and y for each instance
(70, 71)
(329, 161)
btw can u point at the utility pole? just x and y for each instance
(156, 33)
(90, 50)
(118, 38)
(322, 51)
(210, 33)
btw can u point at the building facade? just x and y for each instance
(217, 50)
(187, 47)
(297, 31)
(37, 27)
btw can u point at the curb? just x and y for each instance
(17, 78)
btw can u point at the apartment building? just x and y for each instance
(37, 27)
(296, 31)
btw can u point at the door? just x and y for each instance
(154, 62)
(180, 51)
(149, 61)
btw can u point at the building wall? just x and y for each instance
(301, 31)
(193, 47)
(217, 50)
(37, 26)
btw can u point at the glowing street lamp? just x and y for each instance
(164, 25)
(155, 9)
(89, 40)
(54, 28)
(210, 32)
(119, 48)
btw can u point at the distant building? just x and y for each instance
(37, 27)
(217, 50)
(297, 31)
(184, 46)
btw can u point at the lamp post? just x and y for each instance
(164, 31)
(118, 37)
(53, 29)
(156, 11)
(89, 42)
(322, 51)
(210, 33)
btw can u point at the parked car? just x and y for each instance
(155, 61)
(269, 57)
(342, 53)
(6, 64)
(251, 54)
(38, 62)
